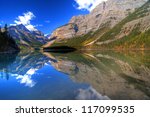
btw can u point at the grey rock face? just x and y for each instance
(107, 14)
(67, 31)
(26, 37)
(40, 36)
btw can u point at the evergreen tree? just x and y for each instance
(0, 30)
(6, 28)
(7, 41)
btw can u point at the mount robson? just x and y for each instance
(114, 24)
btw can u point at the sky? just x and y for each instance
(44, 15)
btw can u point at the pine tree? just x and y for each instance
(7, 41)
(0, 30)
(6, 28)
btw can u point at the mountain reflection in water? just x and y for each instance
(88, 76)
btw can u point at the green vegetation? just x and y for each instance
(28, 44)
(74, 42)
(81, 41)
(136, 40)
(139, 84)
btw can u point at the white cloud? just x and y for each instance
(25, 19)
(27, 78)
(88, 4)
(30, 27)
(90, 94)
(38, 25)
(12, 24)
(45, 36)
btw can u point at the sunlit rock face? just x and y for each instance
(106, 14)
(142, 24)
(69, 29)
(110, 76)
(23, 36)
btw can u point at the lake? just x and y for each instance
(90, 75)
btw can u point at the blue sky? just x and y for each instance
(45, 15)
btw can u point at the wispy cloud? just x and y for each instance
(39, 25)
(12, 24)
(47, 21)
(88, 4)
(25, 19)
(27, 78)
(31, 27)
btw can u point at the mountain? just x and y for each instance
(7, 44)
(40, 36)
(96, 29)
(25, 37)
(132, 32)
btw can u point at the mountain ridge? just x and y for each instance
(103, 36)
(112, 12)
(25, 37)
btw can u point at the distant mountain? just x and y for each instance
(109, 24)
(25, 37)
(40, 36)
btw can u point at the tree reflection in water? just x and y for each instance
(6, 59)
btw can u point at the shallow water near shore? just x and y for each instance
(91, 75)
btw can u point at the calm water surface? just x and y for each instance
(88, 76)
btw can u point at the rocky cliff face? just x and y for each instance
(66, 31)
(107, 14)
(25, 37)
(40, 36)
(131, 33)
(142, 23)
